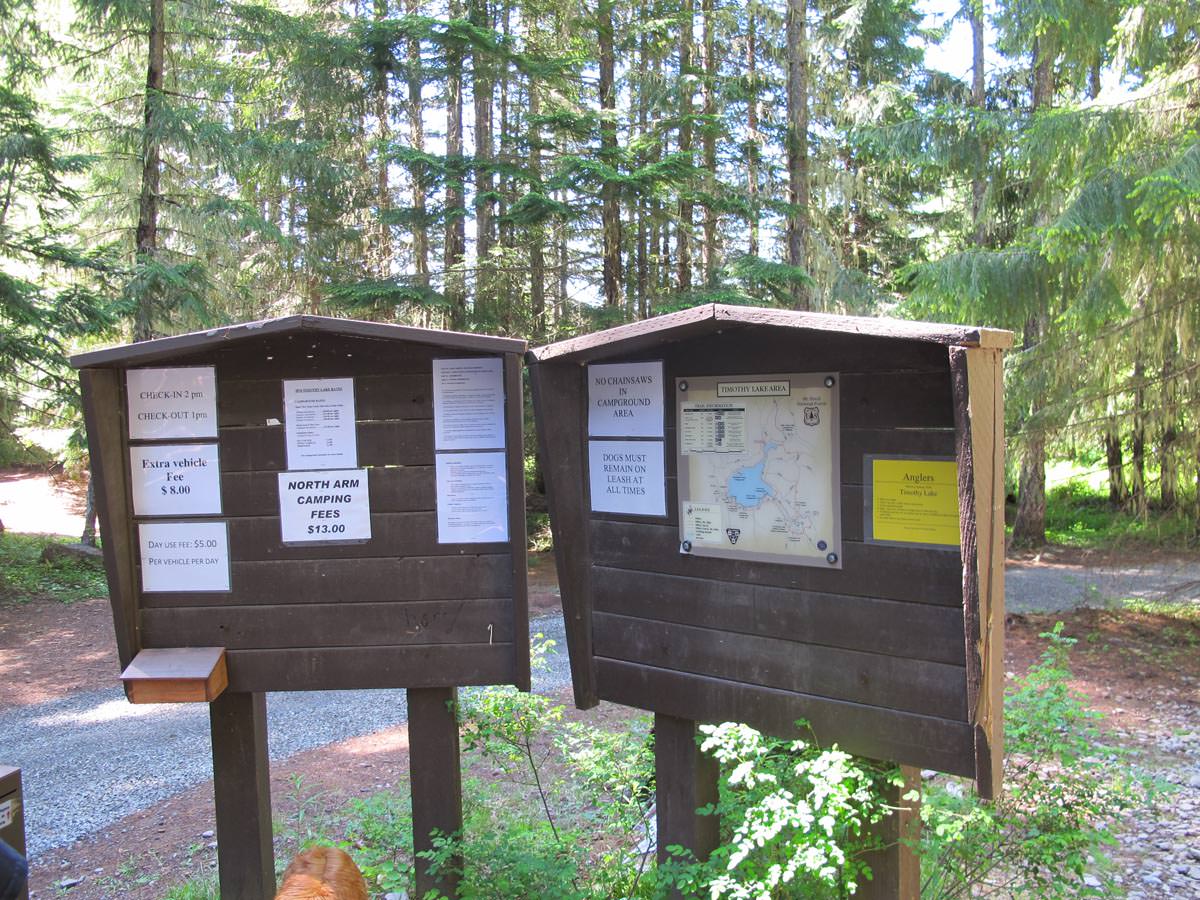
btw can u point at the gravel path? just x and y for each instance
(1035, 587)
(93, 758)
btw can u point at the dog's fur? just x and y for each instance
(322, 873)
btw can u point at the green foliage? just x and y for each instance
(1078, 515)
(24, 577)
(506, 855)
(798, 817)
(1063, 790)
(205, 888)
(379, 836)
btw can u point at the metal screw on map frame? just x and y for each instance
(831, 558)
(830, 381)
(686, 547)
(683, 385)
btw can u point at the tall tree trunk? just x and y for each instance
(146, 236)
(642, 279)
(797, 144)
(1137, 442)
(563, 261)
(383, 190)
(416, 136)
(1168, 467)
(683, 232)
(1116, 464)
(752, 123)
(483, 87)
(537, 266)
(610, 213)
(456, 213)
(708, 140)
(1029, 526)
(978, 102)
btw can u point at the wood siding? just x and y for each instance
(398, 610)
(872, 655)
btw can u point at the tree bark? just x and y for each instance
(1137, 442)
(642, 277)
(797, 145)
(708, 141)
(1029, 526)
(683, 232)
(146, 236)
(1116, 464)
(1168, 466)
(752, 124)
(537, 266)
(383, 190)
(610, 214)
(416, 136)
(483, 87)
(456, 213)
(978, 102)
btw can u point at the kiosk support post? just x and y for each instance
(686, 780)
(896, 867)
(242, 789)
(437, 789)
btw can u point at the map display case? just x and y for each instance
(769, 517)
(759, 469)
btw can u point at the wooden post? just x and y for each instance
(686, 780)
(436, 777)
(896, 868)
(242, 788)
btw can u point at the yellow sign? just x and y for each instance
(915, 501)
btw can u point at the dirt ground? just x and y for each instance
(1128, 664)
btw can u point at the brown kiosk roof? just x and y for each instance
(216, 338)
(716, 316)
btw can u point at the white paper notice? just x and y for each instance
(172, 403)
(703, 523)
(175, 480)
(468, 404)
(472, 498)
(179, 557)
(324, 506)
(318, 415)
(627, 477)
(625, 400)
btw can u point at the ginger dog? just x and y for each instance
(322, 873)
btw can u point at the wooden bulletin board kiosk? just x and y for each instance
(765, 516)
(312, 504)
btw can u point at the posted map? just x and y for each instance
(758, 468)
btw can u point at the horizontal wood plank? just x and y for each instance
(868, 624)
(896, 400)
(252, 401)
(911, 685)
(390, 489)
(906, 738)
(369, 580)
(361, 668)
(384, 443)
(868, 570)
(331, 625)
